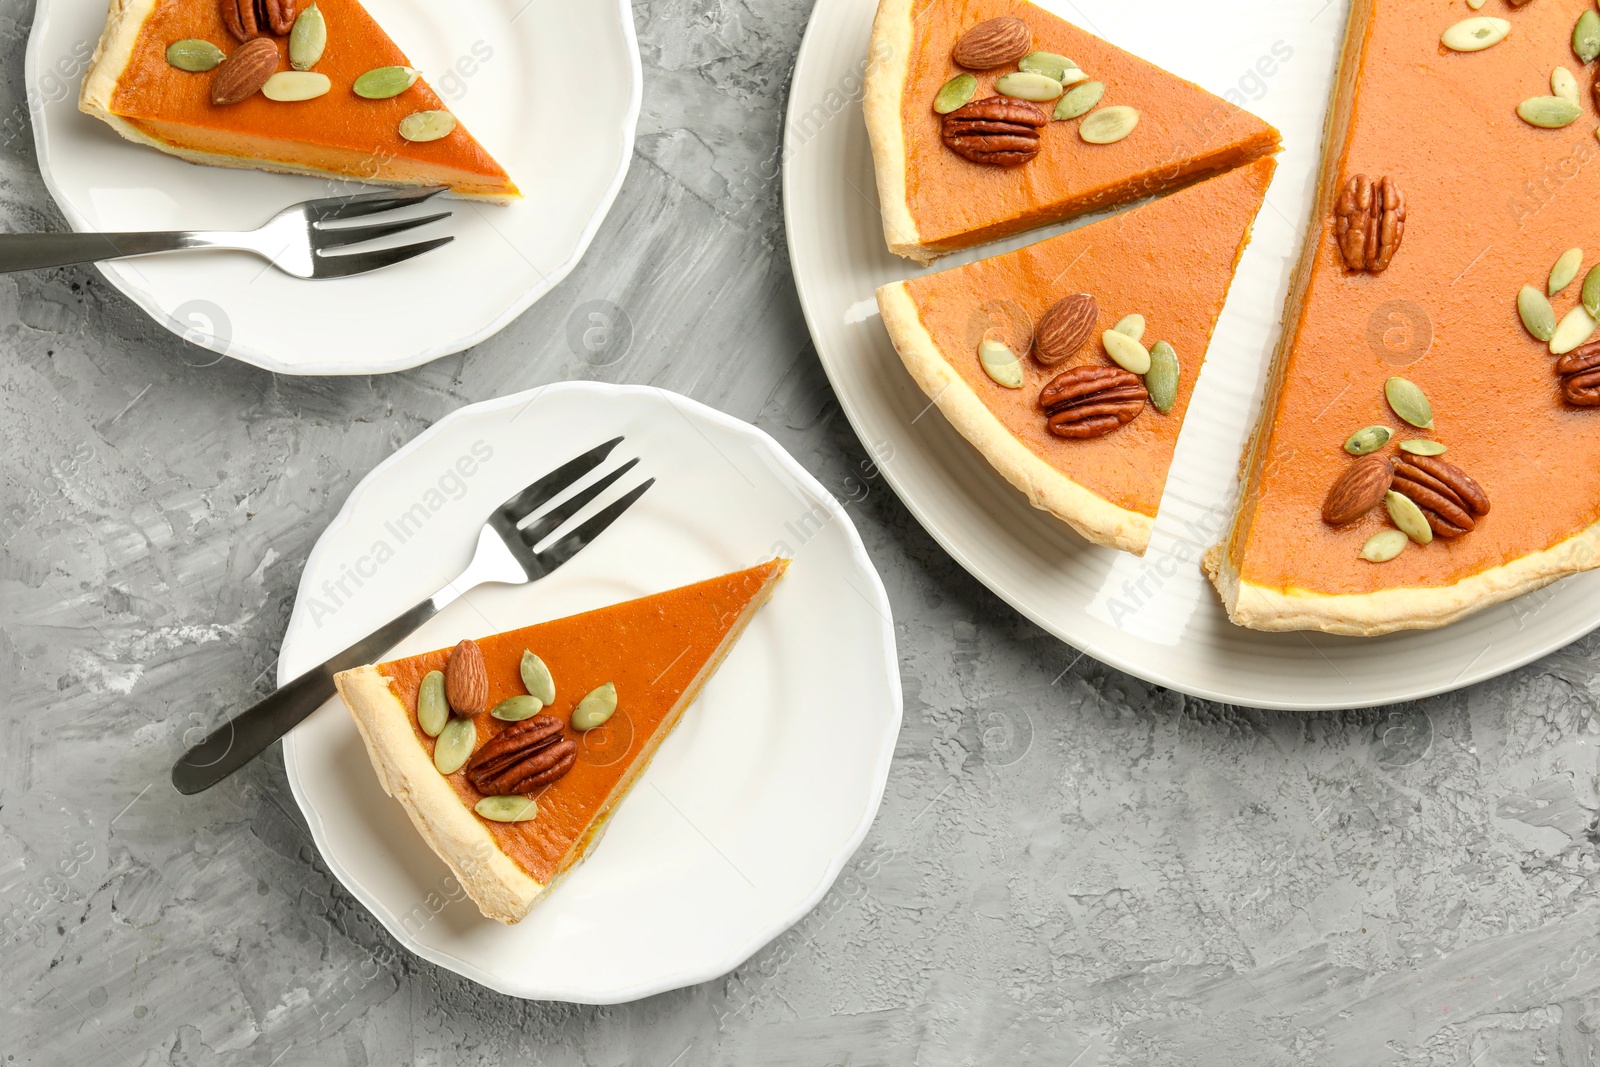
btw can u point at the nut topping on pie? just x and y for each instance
(1450, 500)
(1359, 489)
(466, 681)
(996, 130)
(993, 43)
(248, 19)
(1579, 371)
(1370, 221)
(242, 74)
(1064, 327)
(522, 758)
(1089, 402)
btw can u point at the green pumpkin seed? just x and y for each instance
(1421, 446)
(1080, 100)
(1475, 34)
(515, 709)
(594, 709)
(536, 678)
(1000, 363)
(957, 92)
(1548, 112)
(1072, 77)
(432, 711)
(1129, 354)
(1047, 63)
(1590, 294)
(1026, 85)
(1367, 440)
(194, 56)
(507, 809)
(1383, 546)
(1562, 83)
(1405, 514)
(385, 82)
(1132, 325)
(1161, 380)
(454, 746)
(308, 38)
(427, 125)
(1566, 269)
(1538, 317)
(291, 86)
(1586, 36)
(1108, 125)
(1409, 402)
(1573, 330)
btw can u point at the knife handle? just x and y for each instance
(246, 735)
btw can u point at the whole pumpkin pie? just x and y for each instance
(171, 104)
(1408, 395)
(1070, 363)
(509, 753)
(980, 129)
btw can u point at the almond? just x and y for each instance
(1359, 489)
(242, 74)
(993, 43)
(466, 680)
(1064, 328)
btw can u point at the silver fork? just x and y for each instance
(507, 552)
(295, 240)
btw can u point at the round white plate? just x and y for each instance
(1155, 617)
(501, 65)
(753, 804)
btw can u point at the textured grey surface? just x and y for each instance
(1069, 867)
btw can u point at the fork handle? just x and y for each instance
(245, 736)
(32, 251)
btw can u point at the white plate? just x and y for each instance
(509, 68)
(752, 805)
(1155, 617)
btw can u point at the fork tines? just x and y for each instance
(523, 526)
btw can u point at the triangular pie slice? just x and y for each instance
(1171, 261)
(935, 201)
(655, 653)
(1442, 314)
(340, 135)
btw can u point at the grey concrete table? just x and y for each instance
(1070, 866)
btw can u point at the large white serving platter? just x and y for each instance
(1155, 617)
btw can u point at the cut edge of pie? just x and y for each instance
(125, 20)
(501, 888)
(1046, 488)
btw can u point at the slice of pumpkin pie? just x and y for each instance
(510, 752)
(989, 117)
(1070, 363)
(293, 86)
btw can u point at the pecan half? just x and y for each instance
(1089, 402)
(996, 130)
(522, 758)
(246, 19)
(1579, 373)
(1449, 498)
(1369, 222)
(1357, 491)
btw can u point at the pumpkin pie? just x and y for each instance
(935, 200)
(133, 87)
(1440, 208)
(1156, 275)
(546, 728)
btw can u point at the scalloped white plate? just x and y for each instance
(567, 150)
(732, 834)
(1156, 617)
